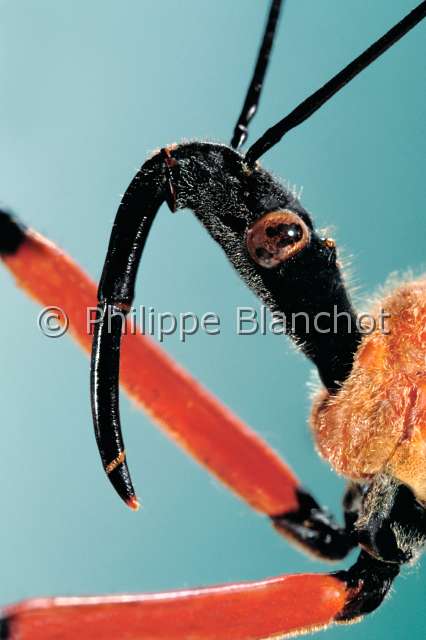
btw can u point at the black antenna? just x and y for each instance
(317, 99)
(255, 88)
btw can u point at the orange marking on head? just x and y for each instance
(330, 243)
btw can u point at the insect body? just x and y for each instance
(377, 421)
(368, 421)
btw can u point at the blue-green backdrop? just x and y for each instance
(87, 90)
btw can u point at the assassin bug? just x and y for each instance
(280, 248)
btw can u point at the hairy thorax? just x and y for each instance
(377, 421)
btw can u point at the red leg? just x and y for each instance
(245, 611)
(260, 610)
(183, 408)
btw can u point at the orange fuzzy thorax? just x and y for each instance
(377, 421)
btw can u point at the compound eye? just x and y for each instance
(275, 237)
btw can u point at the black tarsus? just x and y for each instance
(12, 233)
(135, 215)
(368, 581)
(5, 629)
(254, 91)
(383, 517)
(317, 99)
(315, 530)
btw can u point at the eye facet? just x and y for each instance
(275, 237)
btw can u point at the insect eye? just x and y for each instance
(275, 237)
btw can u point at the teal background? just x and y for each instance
(88, 89)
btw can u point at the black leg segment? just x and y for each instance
(315, 530)
(12, 233)
(368, 581)
(4, 629)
